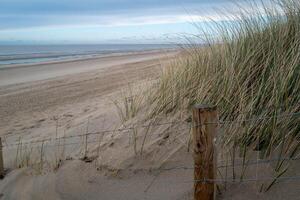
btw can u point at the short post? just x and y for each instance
(85, 147)
(205, 124)
(1, 160)
(86, 139)
(42, 155)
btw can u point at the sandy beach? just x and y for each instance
(29, 94)
(54, 100)
(15, 74)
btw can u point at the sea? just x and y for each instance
(14, 55)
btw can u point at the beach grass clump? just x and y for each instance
(251, 70)
(130, 103)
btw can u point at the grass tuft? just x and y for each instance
(252, 70)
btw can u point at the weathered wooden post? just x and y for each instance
(86, 139)
(41, 158)
(1, 160)
(205, 124)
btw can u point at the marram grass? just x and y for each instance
(252, 71)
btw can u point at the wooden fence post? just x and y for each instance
(86, 139)
(1, 160)
(205, 120)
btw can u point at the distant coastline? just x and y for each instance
(23, 73)
(23, 55)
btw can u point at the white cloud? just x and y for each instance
(38, 22)
(118, 21)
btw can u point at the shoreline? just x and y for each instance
(48, 70)
(86, 57)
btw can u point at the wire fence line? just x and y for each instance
(222, 165)
(93, 133)
(136, 125)
(219, 122)
(247, 180)
(161, 169)
(132, 127)
(61, 141)
(282, 116)
(282, 107)
(219, 166)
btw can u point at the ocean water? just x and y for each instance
(12, 55)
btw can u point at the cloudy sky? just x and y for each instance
(106, 21)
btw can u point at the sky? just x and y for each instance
(106, 21)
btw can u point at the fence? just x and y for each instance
(207, 138)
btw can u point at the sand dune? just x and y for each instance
(29, 112)
(57, 96)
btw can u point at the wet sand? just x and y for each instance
(27, 73)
